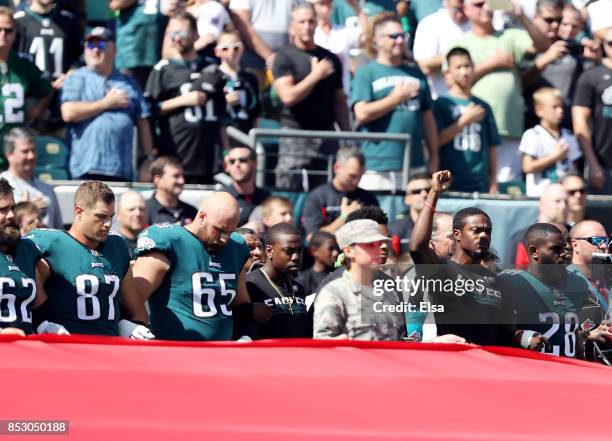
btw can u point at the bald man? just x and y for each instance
(132, 217)
(192, 275)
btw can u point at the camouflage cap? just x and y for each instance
(359, 231)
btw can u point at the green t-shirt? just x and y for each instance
(18, 286)
(554, 313)
(139, 34)
(501, 88)
(466, 156)
(375, 81)
(84, 284)
(98, 10)
(194, 299)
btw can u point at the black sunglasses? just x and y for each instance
(420, 190)
(396, 35)
(577, 190)
(596, 240)
(551, 20)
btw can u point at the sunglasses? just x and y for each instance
(609, 43)
(597, 240)
(7, 30)
(227, 47)
(420, 190)
(551, 20)
(478, 5)
(577, 191)
(96, 44)
(181, 34)
(242, 160)
(396, 35)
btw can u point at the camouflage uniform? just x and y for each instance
(344, 309)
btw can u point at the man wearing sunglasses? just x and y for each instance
(590, 237)
(101, 107)
(592, 117)
(496, 57)
(575, 187)
(21, 81)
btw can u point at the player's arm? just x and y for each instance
(42, 316)
(148, 272)
(421, 233)
(243, 308)
(134, 321)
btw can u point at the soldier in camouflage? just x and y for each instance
(350, 307)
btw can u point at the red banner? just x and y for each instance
(113, 389)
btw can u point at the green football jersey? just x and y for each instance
(554, 313)
(83, 287)
(375, 81)
(467, 155)
(194, 299)
(18, 286)
(140, 29)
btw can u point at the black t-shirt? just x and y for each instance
(322, 206)
(289, 318)
(189, 133)
(594, 90)
(53, 40)
(475, 306)
(316, 111)
(400, 230)
(310, 280)
(247, 202)
(183, 213)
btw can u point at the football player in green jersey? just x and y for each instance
(193, 276)
(555, 310)
(84, 274)
(17, 270)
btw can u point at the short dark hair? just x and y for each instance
(157, 166)
(245, 231)
(460, 219)
(5, 188)
(539, 232)
(554, 4)
(371, 212)
(457, 52)
(90, 192)
(319, 238)
(252, 154)
(184, 15)
(278, 230)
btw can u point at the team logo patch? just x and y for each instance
(214, 264)
(145, 243)
(97, 265)
(587, 325)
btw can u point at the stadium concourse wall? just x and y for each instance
(510, 214)
(108, 388)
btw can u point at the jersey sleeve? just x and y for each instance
(442, 110)
(154, 238)
(120, 252)
(362, 87)
(529, 143)
(153, 88)
(240, 250)
(283, 65)
(43, 239)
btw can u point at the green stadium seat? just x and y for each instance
(51, 151)
(51, 172)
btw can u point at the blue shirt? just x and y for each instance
(103, 144)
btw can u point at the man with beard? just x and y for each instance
(17, 269)
(83, 275)
(554, 308)
(274, 285)
(193, 275)
(241, 165)
(190, 103)
(470, 299)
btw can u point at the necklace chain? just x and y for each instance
(278, 290)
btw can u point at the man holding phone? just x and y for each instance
(496, 56)
(558, 67)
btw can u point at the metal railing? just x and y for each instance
(255, 136)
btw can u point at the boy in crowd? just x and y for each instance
(324, 250)
(468, 133)
(548, 150)
(28, 217)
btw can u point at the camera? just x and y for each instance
(602, 268)
(574, 48)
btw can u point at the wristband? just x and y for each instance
(431, 207)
